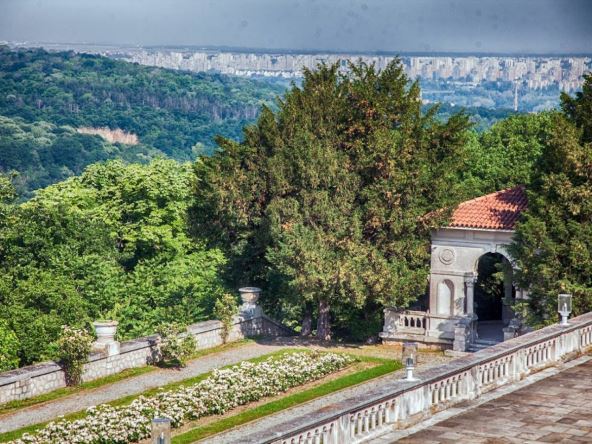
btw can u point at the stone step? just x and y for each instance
(480, 344)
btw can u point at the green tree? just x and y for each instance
(114, 238)
(176, 344)
(326, 200)
(553, 243)
(506, 154)
(579, 108)
(73, 347)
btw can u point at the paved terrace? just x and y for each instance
(385, 412)
(556, 409)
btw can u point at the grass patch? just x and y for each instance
(15, 434)
(383, 367)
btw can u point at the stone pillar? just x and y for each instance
(512, 330)
(470, 294)
(463, 334)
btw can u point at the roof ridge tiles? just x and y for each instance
(499, 210)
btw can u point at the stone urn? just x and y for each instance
(106, 331)
(250, 296)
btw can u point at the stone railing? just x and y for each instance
(396, 404)
(412, 321)
(45, 377)
(422, 326)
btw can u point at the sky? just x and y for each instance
(498, 26)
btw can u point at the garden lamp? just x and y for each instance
(161, 431)
(410, 359)
(564, 307)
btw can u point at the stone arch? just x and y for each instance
(493, 250)
(445, 297)
(489, 297)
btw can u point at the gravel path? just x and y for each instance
(241, 433)
(132, 386)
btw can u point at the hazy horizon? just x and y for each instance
(363, 26)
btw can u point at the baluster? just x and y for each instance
(379, 416)
(317, 438)
(390, 406)
(327, 433)
(373, 418)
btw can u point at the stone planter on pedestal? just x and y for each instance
(106, 331)
(250, 296)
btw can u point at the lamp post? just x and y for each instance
(409, 359)
(564, 307)
(161, 431)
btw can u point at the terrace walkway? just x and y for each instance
(556, 409)
(135, 385)
(132, 386)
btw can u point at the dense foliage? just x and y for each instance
(331, 197)
(9, 346)
(553, 244)
(506, 154)
(175, 113)
(326, 202)
(43, 153)
(111, 242)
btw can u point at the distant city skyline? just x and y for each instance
(420, 26)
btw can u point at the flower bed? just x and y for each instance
(222, 391)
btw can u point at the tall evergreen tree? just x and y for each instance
(579, 108)
(553, 243)
(325, 201)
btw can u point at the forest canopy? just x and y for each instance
(45, 96)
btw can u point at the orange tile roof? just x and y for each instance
(495, 211)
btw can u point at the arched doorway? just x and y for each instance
(494, 284)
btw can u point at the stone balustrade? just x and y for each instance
(45, 377)
(396, 403)
(421, 326)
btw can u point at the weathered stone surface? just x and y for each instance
(555, 409)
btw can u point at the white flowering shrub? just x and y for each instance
(222, 391)
(174, 347)
(74, 345)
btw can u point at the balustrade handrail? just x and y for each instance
(394, 388)
(414, 312)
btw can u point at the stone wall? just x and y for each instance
(45, 377)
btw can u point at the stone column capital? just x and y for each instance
(470, 279)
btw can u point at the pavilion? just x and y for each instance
(466, 307)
